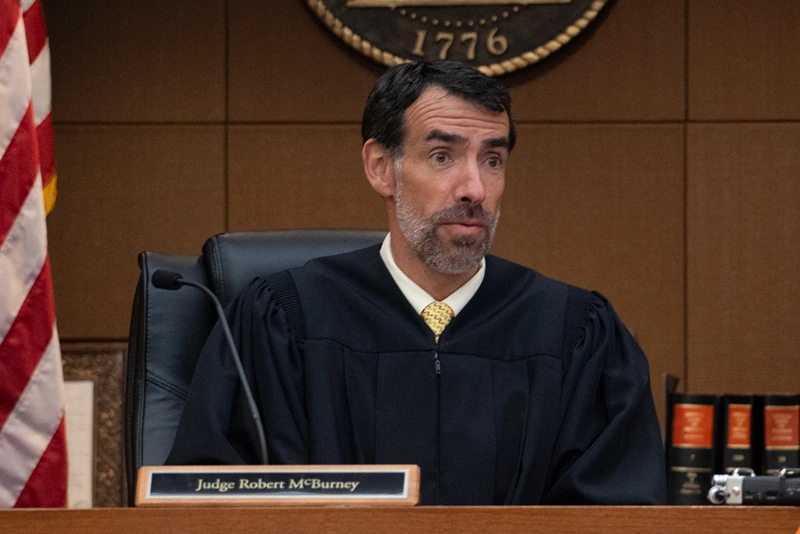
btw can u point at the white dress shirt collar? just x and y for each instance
(418, 297)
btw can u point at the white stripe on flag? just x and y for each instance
(31, 425)
(26, 4)
(40, 81)
(15, 90)
(22, 256)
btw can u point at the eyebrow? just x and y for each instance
(455, 139)
(496, 142)
(450, 138)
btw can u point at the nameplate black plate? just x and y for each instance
(278, 485)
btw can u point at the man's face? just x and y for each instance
(450, 179)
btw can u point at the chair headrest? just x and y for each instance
(234, 259)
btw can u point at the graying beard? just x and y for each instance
(427, 245)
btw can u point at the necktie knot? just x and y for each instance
(437, 316)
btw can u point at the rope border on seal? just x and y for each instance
(495, 69)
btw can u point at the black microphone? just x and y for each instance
(166, 279)
(170, 280)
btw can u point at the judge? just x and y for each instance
(504, 386)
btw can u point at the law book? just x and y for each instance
(739, 436)
(781, 432)
(692, 457)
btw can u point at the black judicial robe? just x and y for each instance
(535, 394)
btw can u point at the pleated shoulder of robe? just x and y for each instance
(536, 393)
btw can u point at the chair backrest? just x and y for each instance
(169, 328)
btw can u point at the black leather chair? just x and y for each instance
(169, 328)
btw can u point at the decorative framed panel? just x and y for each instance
(102, 364)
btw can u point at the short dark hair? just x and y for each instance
(401, 86)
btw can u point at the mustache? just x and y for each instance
(462, 213)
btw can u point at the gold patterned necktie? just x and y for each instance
(437, 315)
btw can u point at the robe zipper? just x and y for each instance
(438, 366)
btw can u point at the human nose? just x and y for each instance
(471, 188)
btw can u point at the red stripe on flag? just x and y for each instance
(31, 328)
(47, 486)
(17, 172)
(35, 30)
(47, 156)
(9, 15)
(23, 347)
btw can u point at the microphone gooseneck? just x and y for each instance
(170, 281)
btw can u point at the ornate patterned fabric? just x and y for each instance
(437, 315)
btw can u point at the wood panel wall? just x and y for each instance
(657, 163)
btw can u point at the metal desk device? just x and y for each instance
(742, 486)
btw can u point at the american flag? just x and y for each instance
(33, 456)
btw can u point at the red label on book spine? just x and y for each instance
(782, 427)
(693, 426)
(739, 425)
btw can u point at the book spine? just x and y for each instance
(781, 432)
(737, 432)
(691, 457)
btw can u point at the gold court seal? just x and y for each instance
(495, 36)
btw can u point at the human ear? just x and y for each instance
(378, 167)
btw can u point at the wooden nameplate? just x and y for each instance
(278, 485)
